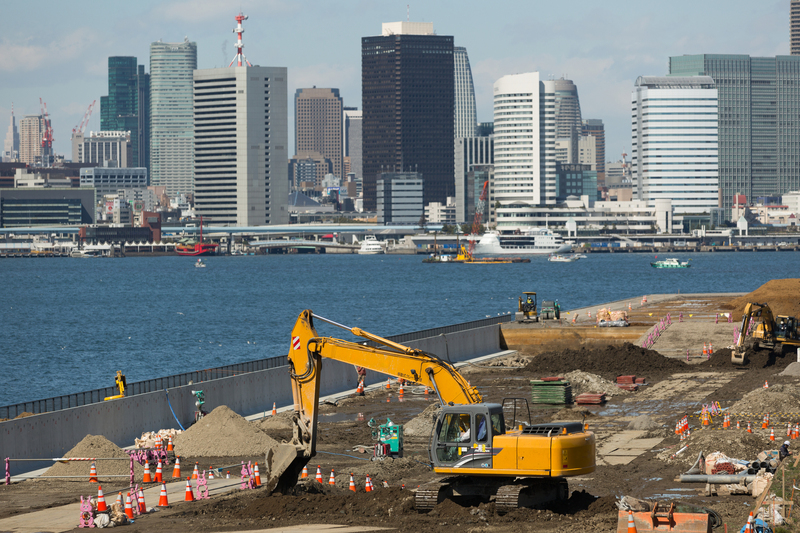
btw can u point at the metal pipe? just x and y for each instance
(716, 479)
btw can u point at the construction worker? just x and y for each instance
(784, 452)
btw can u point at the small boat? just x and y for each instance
(199, 263)
(438, 258)
(370, 246)
(558, 258)
(670, 262)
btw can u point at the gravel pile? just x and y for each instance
(223, 433)
(585, 382)
(643, 422)
(792, 370)
(777, 398)
(735, 444)
(97, 446)
(422, 424)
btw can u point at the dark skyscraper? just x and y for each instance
(128, 92)
(407, 87)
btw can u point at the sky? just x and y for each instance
(59, 50)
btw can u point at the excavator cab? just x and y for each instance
(463, 435)
(527, 308)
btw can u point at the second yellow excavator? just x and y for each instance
(476, 453)
(766, 330)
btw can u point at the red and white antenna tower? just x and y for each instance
(240, 60)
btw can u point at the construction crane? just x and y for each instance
(47, 135)
(476, 222)
(85, 122)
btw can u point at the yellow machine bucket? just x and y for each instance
(665, 521)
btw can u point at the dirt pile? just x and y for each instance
(643, 422)
(755, 359)
(792, 370)
(608, 362)
(279, 427)
(97, 446)
(735, 444)
(223, 433)
(585, 382)
(777, 398)
(780, 294)
(422, 424)
(570, 415)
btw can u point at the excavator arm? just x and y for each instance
(765, 330)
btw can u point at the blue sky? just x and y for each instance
(59, 50)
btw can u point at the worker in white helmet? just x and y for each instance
(784, 452)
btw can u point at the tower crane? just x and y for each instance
(47, 135)
(476, 222)
(82, 126)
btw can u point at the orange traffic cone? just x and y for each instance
(426, 391)
(162, 499)
(195, 473)
(142, 505)
(305, 473)
(367, 485)
(705, 349)
(176, 471)
(738, 424)
(710, 349)
(319, 474)
(169, 444)
(401, 390)
(257, 476)
(360, 389)
(274, 409)
(159, 476)
(789, 429)
(210, 472)
(101, 501)
(119, 499)
(772, 434)
(332, 480)
(189, 494)
(93, 474)
(388, 383)
(631, 523)
(147, 478)
(765, 422)
(128, 508)
(749, 429)
(352, 483)
(750, 523)
(766, 385)
(629, 307)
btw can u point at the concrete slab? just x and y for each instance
(316, 528)
(643, 444)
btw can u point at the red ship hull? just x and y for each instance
(197, 249)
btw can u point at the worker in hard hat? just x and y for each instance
(784, 452)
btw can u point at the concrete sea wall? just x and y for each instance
(52, 434)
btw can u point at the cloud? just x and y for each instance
(27, 57)
(213, 10)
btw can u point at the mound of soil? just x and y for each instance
(755, 359)
(777, 398)
(585, 382)
(643, 422)
(100, 447)
(737, 444)
(608, 362)
(223, 433)
(422, 424)
(780, 294)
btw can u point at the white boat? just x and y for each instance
(370, 246)
(557, 258)
(529, 242)
(84, 253)
(199, 263)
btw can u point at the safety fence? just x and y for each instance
(78, 399)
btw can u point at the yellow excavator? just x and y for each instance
(472, 449)
(769, 331)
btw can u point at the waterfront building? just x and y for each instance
(400, 197)
(469, 152)
(596, 129)
(674, 142)
(126, 108)
(46, 206)
(352, 140)
(524, 147)
(759, 141)
(466, 115)
(102, 147)
(109, 180)
(31, 129)
(439, 213)
(241, 145)
(575, 180)
(318, 124)
(11, 142)
(171, 120)
(407, 80)
(794, 27)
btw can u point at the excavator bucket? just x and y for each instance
(283, 466)
(667, 521)
(737, 356)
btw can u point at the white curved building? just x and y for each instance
(466, 116)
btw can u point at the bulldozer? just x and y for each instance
(769, 331)
(475, 451)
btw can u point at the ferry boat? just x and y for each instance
(529, 242)
(558, 258)
(670, 262)
(370, 246)
(192, 248)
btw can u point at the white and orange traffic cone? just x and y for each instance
(766, 384)
(772, 434)
(710, 348)
(210, 472)
(189, 494)
(705, 349)
(401, 390)
(304, 474)
(142, 505)
(101, 500)
(147, 478)
(319, 474)
(119, 499)
(352, 483)
(93, 474)
(159, 476)
(388, 384)
(195, 473)
(368, 485)
(170, 447)
(274, 409)
(630, 308)
(738, 424)
(332, 480)
(631, 523)
(257, 476)
(128, 508)
(176, 471)
(360, 388)
(162, 498)
(749, 429)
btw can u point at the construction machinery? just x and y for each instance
(121, 383)
(526, 312)
(766, 330)
(551, 310)
(477, 456)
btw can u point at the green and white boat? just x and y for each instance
(671, 262)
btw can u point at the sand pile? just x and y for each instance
(608, 362)
(644, 422)
(778, 398)
(780, 294)
(585, 382)
(97, 446)
(735, 444)
(223, 433)
(422, 424)
(792, 370)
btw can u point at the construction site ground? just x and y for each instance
(635, 436)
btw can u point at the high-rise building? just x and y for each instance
(759, 154)
(466, 116)
(11, 143)
(119, 111)
(31, 129)
(674, 144)
(794, 27)
(241, 145)
(171, 126)
(399, 197)
(352, 124)
(407, 81)
(99, 147)
(143, 119)
(568, 119)
(595, 128)
(318, 124)
(524, 147)
(470, 152)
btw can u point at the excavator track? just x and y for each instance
(430, 494)
(530, 493)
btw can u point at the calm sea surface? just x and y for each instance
(69, 324)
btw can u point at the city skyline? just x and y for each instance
(603, 49)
